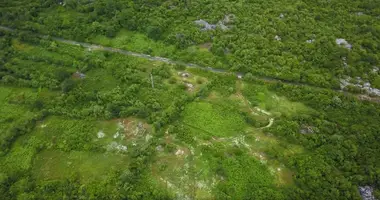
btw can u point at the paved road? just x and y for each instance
(189, 65)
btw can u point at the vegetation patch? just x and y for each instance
(259, 115)
(221, 121)
(265, 100)
(52, 165)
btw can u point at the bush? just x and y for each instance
(67, 85)
(172, 80)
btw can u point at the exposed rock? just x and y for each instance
(201, 185)
(114, 146)
(228, 19)
(365, 86)
(179, 152)
(80, 75)
(120, 125)
(375, 69)
(344, 43)
(239, 141)
(140, 125)
(184, 74)
(61, 3)
(172, 7)
(140, 129)
(101, 134)
(206, 26)
(359, 13)
(159, 148)
(222, 24)
(148, 137)
(367, 193)
(307, 129)
(344, 59)
(344, 83)
(189, 86)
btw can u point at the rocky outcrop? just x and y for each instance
(366, 192)
(222, 24)
(364, 86)
(344, 43)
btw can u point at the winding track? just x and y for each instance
(189, 65)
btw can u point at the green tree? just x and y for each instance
(67, 85)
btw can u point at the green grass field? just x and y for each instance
(135, 42)
(52, 165)
(218, 120)
(277, 105)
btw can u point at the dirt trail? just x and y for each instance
(248, 105)
(189, 65)
(271, 121)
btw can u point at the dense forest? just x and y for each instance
(281, 100)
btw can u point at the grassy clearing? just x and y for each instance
(75, 147)
(17, 45)
(135, 42)
(220, 121)
(127, 132)
(259, 96)
(52, 165)
(181, 168)
(273, 152)
(211, 169)
(191, 82)
(218, 117)
(67, 134)
(219, 157)
(100, 80)
(243, 175)
(87, 135)
(51, 53)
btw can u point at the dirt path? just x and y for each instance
(189, 65)
(248, 105)
(271, 121)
